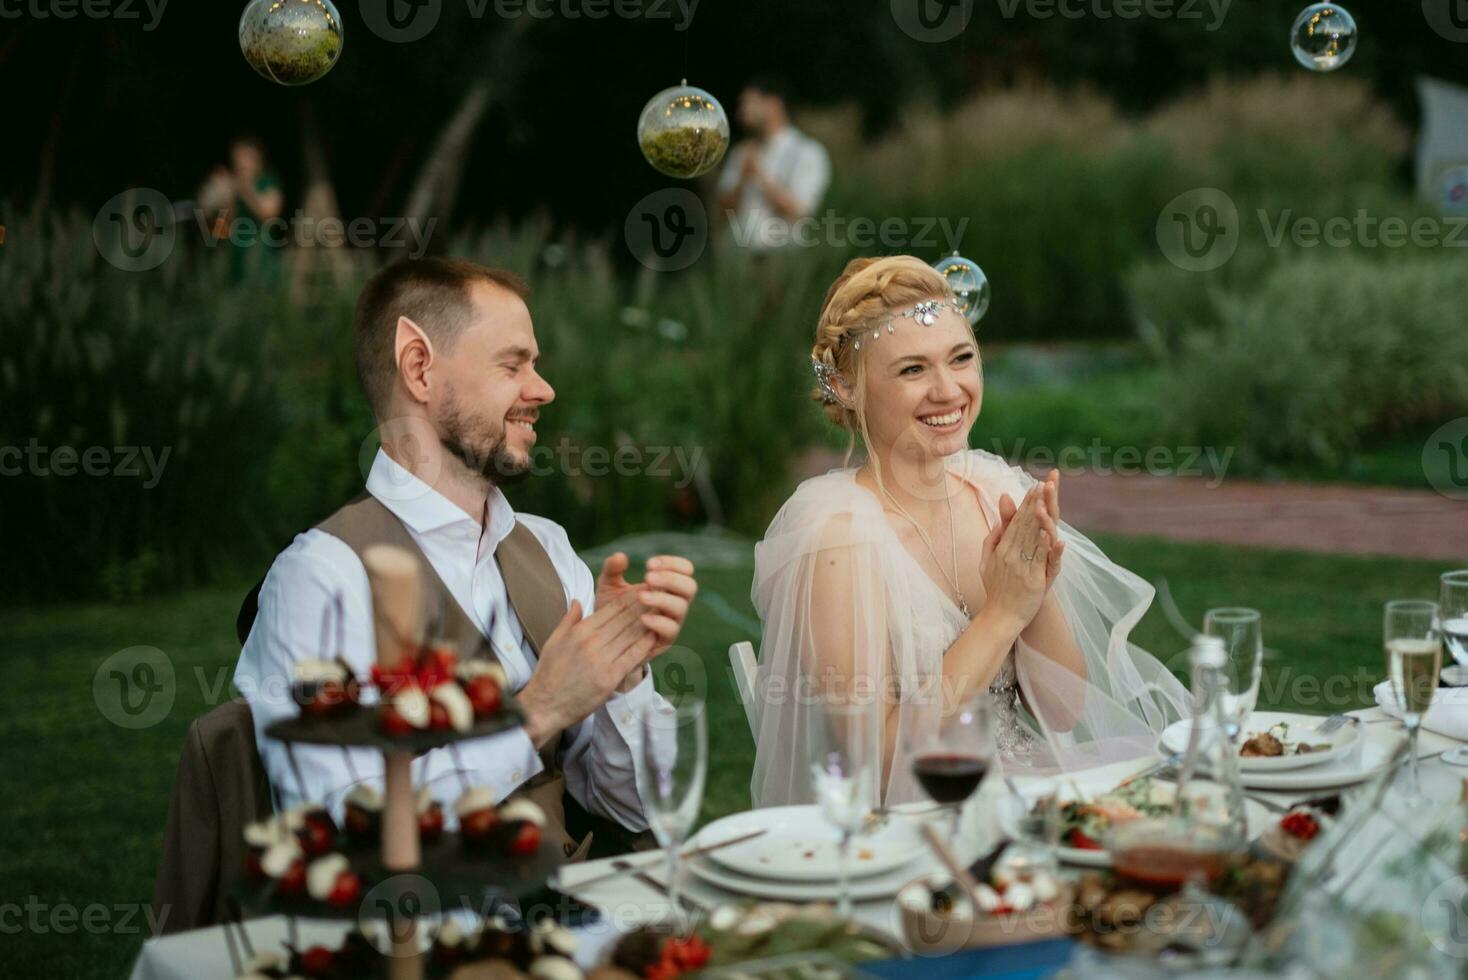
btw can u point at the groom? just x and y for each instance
(446, 353)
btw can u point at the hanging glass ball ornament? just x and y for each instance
(969, 284)
(1324, 37)
(291, 42)
(683, 131)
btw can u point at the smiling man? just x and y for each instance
(447, 355)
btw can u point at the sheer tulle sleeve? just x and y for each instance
(1116, 704)
(825, 592)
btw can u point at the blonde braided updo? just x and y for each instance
(867, 293)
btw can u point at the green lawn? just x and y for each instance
(87, 798)
(1041, 399)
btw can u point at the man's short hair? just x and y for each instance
(434, 293)
(771, 84)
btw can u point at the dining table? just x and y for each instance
(628, 900)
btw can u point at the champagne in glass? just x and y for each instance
(950, 759)
(1242, 633)
(844, 766)
(1453, 610)
(1413, 661)
(675, 751)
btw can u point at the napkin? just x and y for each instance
(1448, 714)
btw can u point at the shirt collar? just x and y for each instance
(423, 509)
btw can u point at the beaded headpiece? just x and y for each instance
(925, 313)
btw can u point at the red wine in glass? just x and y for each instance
(949, 777)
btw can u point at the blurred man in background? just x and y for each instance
(242, 197)
(775, 177)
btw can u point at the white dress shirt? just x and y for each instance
(792, 160)
(599, 755)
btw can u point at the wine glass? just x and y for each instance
(845, 759)
(1453, 612)
(1035, 826)
(1242, 633)
(1414, 658)
(951, 759)
(675, 755)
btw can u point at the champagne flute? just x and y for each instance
(844, 757)
(951, 760)
(1414, 658)
(1242, 632)
(1453, 611)
(675, 753)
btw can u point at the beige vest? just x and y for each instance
(537, 597)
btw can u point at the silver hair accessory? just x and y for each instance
(925, 313)
(824, 374)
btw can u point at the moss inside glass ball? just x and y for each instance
(685, 151)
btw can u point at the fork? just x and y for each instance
(1330, 724)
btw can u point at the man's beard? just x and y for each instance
(471, 439)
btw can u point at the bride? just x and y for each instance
(932, 572)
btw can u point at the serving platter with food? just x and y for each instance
(1274, 742)
(1088, 816)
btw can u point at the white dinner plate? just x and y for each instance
(1372, 753)
(1259, 819)
(800, 845)
(1343, 742)
(870, 886)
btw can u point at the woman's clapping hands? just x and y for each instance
(1022, 553)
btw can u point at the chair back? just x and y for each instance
(220, 786)
(741, 658)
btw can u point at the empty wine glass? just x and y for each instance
(951, 758)
(845, 760)
(675, 752)
(1242, 633)
(1414, 658)
(1452, 604)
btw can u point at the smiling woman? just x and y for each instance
(932, 573)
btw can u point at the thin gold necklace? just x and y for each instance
(927, 542)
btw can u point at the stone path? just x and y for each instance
(1320, 517)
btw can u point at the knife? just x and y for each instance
(625, 867)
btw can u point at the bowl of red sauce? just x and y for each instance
(1165, 853)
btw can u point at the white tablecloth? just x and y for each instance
(626, 902)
